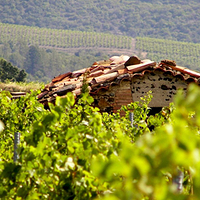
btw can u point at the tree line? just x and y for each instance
(44, 64)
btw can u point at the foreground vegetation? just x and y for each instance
(74, 152)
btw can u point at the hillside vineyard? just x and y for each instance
(62, 38)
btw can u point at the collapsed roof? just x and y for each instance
(103, 74)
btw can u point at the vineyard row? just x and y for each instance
(61, 38)
(186, 54)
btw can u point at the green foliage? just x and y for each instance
(75, 152)
(56, 151)
(11, 73)
(16, 115)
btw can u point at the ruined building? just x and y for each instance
(122, 80)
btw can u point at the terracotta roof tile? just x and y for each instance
(106, 77)
(116, 68)
(122, 71)
(140, 67)
(60, 77)
(187, 71)
(119, 60)
(41, 95)
(95, 74)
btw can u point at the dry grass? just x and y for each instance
(21, 87)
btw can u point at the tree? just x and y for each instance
(33, 60)
(21, 76)
(9, 72)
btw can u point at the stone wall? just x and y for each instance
(163, 86)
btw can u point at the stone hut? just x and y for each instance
(121, 80)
